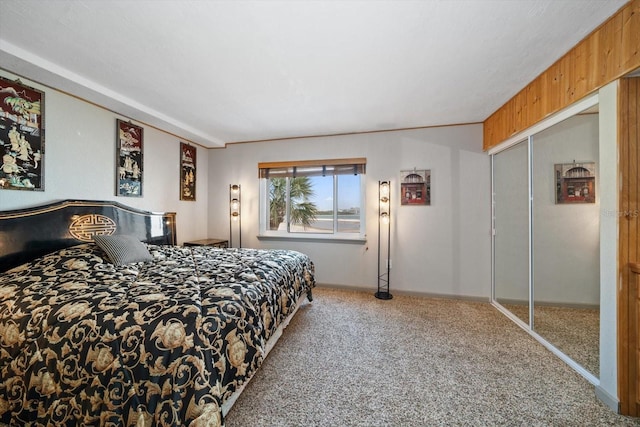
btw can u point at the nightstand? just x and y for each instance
(216, 243)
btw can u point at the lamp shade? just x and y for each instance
(384, 191)
(235, 222)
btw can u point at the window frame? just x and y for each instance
(335, 235)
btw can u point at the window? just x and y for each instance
(322, 198)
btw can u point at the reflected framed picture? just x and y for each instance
(129, 161)
(187, 172)
(575, 182)
(21, 136)
(415, 187)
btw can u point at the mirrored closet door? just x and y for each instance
(511, 229)
(566, 238)
(546, 247)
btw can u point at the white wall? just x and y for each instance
(80, 157)
(607, 390)
(439, 249)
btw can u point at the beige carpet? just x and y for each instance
(348, 359)
(574, 331)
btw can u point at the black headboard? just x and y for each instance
(26, 234)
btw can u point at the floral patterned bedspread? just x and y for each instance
(162, 343)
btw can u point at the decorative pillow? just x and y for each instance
(123, 249)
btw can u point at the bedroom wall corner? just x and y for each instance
(440, 249)
(80, 158)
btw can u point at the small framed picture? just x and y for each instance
(415, 187)
(187, 172)
(129, 162)
(21, 136)
(575, 182)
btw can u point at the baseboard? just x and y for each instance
(607, 399)
(582, 306)
(407, 293)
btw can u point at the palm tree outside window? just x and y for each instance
(312, 198)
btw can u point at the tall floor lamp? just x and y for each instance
(234, 213)
(384, 221)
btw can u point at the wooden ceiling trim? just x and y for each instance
(608, 53)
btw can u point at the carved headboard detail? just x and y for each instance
(84, 227)
(26, 234)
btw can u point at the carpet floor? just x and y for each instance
(574, 331)
(349, 359)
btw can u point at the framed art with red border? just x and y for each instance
(21, 136)
(415, 187)
(575, 182)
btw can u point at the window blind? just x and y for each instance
(356, 166)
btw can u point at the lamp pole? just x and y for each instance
(384, 218)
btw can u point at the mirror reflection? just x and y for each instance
(511, 225)
(566, 247)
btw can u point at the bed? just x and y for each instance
(98, 328)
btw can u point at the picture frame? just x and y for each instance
(575, 182)
(415, 187)
(187, 172)
(21, 136)
(129, 159)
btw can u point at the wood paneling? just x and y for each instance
(634, 336)
(629, 246)
(632, 404)
(608, 53)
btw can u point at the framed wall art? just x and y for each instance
(129, 152)
(187, 172)
(21, 136)
(415, 187)
(575, 182)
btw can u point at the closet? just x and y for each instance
(546, 234)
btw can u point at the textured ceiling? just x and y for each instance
(217, 72)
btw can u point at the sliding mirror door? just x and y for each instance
(511, 225)
(566, 238)
(546, 244)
